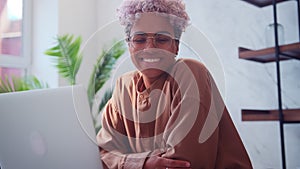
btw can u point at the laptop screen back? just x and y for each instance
(47, 129)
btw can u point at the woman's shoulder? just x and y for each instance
(192, 64)
(128, 77)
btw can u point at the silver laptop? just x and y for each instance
(47, 129)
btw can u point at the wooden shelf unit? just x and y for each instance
(289, 115)
(274, 54)
(290, 51)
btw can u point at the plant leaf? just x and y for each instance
(106, 97)
(13, 84)
(103, 67)
(69, 58)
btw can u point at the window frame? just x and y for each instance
(24, 61)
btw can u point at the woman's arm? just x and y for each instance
(115, 151)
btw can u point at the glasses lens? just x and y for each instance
(140, 41)
(162, 41)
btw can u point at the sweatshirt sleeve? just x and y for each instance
(114, 149)
(200, 129)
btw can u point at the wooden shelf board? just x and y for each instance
(268, 54)
(262, 3)
(289, 115)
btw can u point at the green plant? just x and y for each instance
(101, 73)
(69, 58)
(103, 67)
(13, 84)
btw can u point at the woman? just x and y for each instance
(168, 113)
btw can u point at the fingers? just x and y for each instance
(158, 162)
(171, 163)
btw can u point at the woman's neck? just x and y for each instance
(149, 81)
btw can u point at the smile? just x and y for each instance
(152, 60)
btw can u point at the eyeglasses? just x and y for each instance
(139, 41)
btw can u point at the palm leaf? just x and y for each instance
(106, 97)
(6, 85)
(103, 67)
(14, 84)
(33, 82)
(69, 58)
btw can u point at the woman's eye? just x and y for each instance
(162, 40)
(139, 40)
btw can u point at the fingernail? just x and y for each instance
(188, 165)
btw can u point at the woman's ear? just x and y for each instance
(176, 47)
(127, 41)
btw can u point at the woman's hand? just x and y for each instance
(157, 162)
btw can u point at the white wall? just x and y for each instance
(230, 24)
(53, 18)
(248, 84)
(44, 29)
(78, 17)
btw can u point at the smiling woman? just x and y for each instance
(168, 113)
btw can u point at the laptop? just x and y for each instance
(47, 129)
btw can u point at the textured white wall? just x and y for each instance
(229, 24)
(52, 18)
(78, 17)
(43, 32)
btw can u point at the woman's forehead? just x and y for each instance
(152, 23)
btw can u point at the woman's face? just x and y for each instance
(152, 44)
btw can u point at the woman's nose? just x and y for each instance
(150, 42)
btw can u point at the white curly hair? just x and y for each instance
(130, 10)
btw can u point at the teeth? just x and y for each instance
(151, 60)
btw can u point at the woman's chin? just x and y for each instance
(152, 73)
